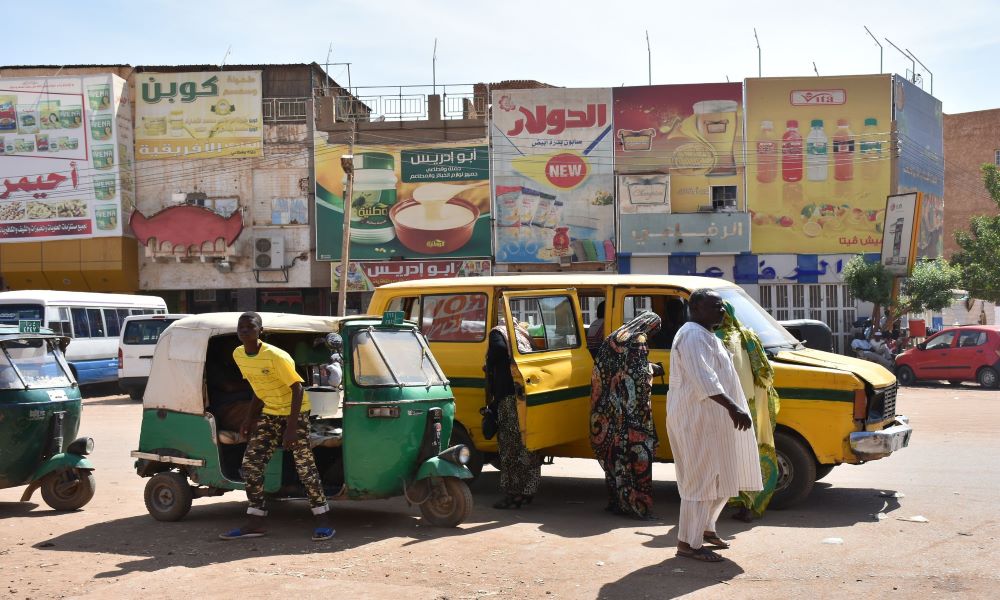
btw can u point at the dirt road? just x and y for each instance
(562, 546)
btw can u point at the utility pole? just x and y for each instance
(758, 51)
(880, 49)
(347, 163)
(649, 58)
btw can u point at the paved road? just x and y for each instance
(562, 546)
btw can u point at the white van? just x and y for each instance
(139, 335)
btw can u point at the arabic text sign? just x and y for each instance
(920, 129)
(818, 162)
(553, 179)
(65, 165)
(704, 233)
(366, 276)
(198, 115)
(902, 214)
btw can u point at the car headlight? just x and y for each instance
(82, 446)
(458, 454)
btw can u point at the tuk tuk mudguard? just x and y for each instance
(438, 467)
(59, 462)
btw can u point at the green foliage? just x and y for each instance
(979, 257)
(868, 281)
(929, 287)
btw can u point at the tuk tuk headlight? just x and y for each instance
(82, 446)
(458, 454)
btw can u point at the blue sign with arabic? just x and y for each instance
(690, 233)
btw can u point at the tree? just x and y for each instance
(929, 286)
(979, 257)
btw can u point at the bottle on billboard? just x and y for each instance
(871, 150)
(817, 163)
(767, 153)
(791, 152)
(843, 152)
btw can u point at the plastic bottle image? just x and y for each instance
(791, 152)
(767, 153)
(871, 150)
(817, 160)
(843, 152)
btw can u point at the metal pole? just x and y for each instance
(326, 84)
(758, 51)
(880, 49)
(815, 70)
(649, 58)
(914, 56)
(345, 248)
(913, 62)
(434, 63)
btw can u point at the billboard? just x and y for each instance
(902, 214)
(920, 128)
(414, 201)
(65, 157)
(553, 175)
(818, 162)
(208, 114)
(366, 276)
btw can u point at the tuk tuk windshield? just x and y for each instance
(400, 357)
(32, 363)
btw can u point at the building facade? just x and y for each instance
(970, 140)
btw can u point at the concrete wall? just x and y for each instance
(970, 139)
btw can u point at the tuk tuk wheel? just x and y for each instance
(168, 496)
(69, 489)
(449, 504)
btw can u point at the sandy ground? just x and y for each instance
(562, 546)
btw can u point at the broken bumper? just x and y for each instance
(872, 445)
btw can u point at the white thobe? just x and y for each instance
(712, 458)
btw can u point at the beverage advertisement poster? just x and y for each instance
(920, 128)
(688, 136)
(826, 191)
(419, 201)
(211, 114)
(65, 157)
(553, 175)
(902, 214)
(366, 276)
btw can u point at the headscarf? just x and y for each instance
(624, 352)
(734, 335)
(521, 335)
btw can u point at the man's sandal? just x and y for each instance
(713, 540)
(702, 554)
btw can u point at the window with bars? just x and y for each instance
(723, 197)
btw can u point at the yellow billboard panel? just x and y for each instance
(211, 114)
(818, 163)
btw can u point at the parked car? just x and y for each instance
(139, 334)
(955, 354)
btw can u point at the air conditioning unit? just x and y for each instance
(269, 252)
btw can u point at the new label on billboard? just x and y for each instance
(553, 175)
(366, 276)
(921, 160)
(211, 114)
(899, 244)
(818, 162)
(65, 157)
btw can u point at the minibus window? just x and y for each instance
(454, 317)
(408, 305)
(10, 314)
(551, 321)
(111, 319)
(59, 320)
(81, 326)
(96, 322)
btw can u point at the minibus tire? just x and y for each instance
(459, 435)
(795, 460)
(450, 512)
(823, 470)
(168, 496)
(73, 498)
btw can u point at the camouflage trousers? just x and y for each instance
(265, 438)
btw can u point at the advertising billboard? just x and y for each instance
(920, 128)
(65, 157)
(553, 175)
(208, 114)
(414, 201)
(902, 214)
(818, 162)
(368, 275)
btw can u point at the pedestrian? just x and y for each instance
(279, 416)
(595, 331)
(710, 429)
(622, 433)
(757, 380)
(520, 469)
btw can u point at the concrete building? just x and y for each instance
(970, 140)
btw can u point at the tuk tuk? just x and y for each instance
(378, 431)
(40, 417)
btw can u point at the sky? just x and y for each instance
(580, 43)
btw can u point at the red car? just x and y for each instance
(954, 354)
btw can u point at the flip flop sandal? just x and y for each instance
(323, 533)
(702, 554)
(715, 541)
(239, 534)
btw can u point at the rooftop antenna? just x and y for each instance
(326, 85)
(913, 71)
(758, 51)
(649, 59)
(914, 57)
(880, 49)
(815, 70)
(727, 78)
(226, 57)
(434, 62)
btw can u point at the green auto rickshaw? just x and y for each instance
(381, 415)
(40, 417)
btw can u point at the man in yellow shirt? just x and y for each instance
(279, 415)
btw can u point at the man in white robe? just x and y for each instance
(708, 422)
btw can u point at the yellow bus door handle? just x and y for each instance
(531, 380)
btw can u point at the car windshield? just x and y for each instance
(400, 357)
(751, 315)
(32, 363)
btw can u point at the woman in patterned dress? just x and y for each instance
(622, 433)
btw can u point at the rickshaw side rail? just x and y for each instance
(177, 460)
